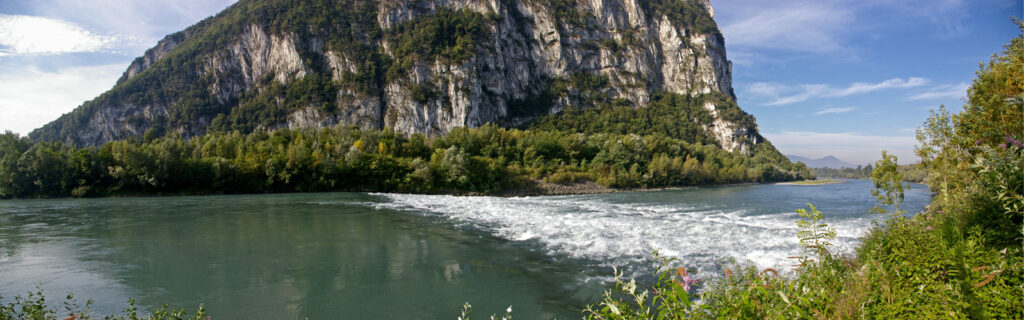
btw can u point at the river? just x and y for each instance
(400, 256)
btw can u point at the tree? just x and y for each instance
(888, 184)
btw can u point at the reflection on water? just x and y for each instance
(347, 255)
(273, 257)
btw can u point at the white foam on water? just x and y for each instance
(616, 234)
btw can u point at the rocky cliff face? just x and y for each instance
(529, 58)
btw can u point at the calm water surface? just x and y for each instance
(396, 256)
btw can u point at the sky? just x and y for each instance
(846, 78)
(851, 78)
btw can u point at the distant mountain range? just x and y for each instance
(826, 162)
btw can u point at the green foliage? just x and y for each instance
(668, 298)
(668, 114)
(815, 236)
(449, 35)
(567, 13)
(888, 184)
(1001, 177)
(35, 307)
(911, 172)
(271, 106)
(488, 159)
(687, 13)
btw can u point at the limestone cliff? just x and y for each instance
(414, 65)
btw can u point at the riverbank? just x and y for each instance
(811, 182)
(532, 188)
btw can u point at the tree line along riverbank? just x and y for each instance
(484, 160)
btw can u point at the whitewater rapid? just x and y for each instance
(701, 236)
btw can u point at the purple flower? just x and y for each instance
(928, 228)
(1002, 145)
(978, 142)
(1014, 142)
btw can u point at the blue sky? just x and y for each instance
(846, 78)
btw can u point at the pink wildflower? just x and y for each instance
(687, 280)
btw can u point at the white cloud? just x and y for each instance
(780, 94)
(29, 98)
(948, 91)
(853, 147)
(834, 110)
(833, 29)
(37, 35)
(150, 20)
(862, 87)
(811, 26)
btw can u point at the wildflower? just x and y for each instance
(928, 228)
(1014, 142)
(509, 310)
(1002, 145)
(978, 142)
(686, 282)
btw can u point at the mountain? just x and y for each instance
(418, 67)
(825, 162)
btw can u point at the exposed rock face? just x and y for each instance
(255, 55)
(628, 52)
(731, 136)
(161, 49)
